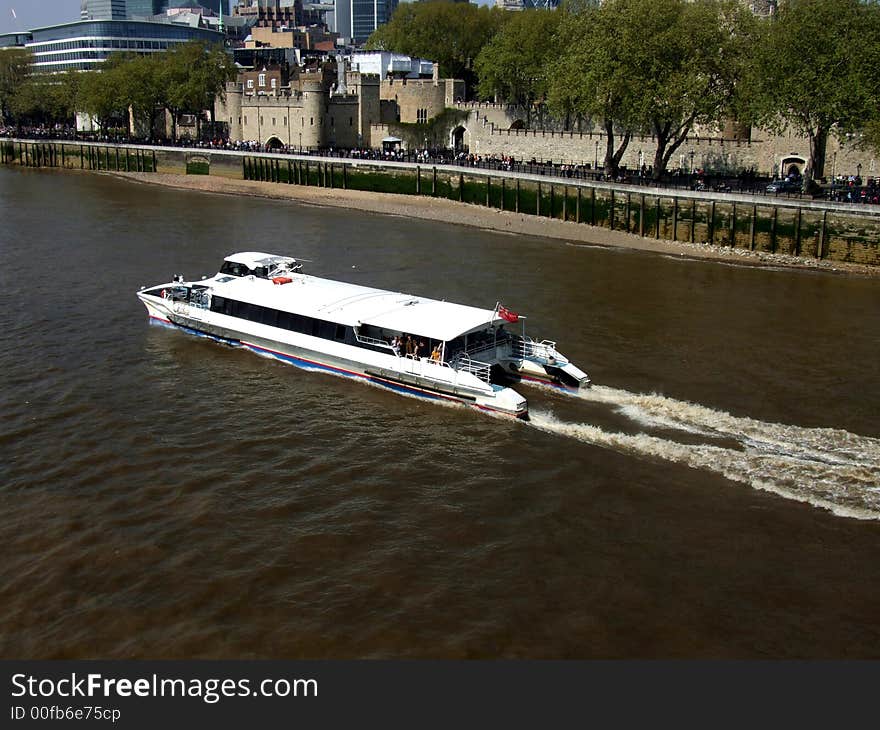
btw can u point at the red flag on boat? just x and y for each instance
(507, 315)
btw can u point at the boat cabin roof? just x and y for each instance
(353, 304)
(254, 259)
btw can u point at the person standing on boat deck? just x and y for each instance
(423, 349)
(435, 353)
(395, 345)
(409, 345)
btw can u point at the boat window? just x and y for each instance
(284, 320)
(234, 269)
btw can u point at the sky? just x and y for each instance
(36, 13)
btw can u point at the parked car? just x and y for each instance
(784, 186)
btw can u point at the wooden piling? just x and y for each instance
(711, 226)
(752, 227)
(693, 220)
(642, 215)
(675, 219)
(773, 220)
(732, 238)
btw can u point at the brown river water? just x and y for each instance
(716, 494)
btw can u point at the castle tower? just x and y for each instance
(314, 105)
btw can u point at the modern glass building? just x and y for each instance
(102, 9)
(143, 8)
(14, 40)
(356, 19)
(122, 9)
(85, 45)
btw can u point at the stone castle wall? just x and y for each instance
(493, 129)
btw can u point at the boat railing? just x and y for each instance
(526, 347)
(480, 348)
(464, 363)
(372, 341)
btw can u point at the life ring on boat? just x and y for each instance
(164, 294)
(281, 280)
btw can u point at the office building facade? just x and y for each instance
(102, 10)
(357, 19)
(86, 44)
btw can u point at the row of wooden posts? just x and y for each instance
(89, 157)
(299, 172)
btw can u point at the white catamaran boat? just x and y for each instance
(410, 344)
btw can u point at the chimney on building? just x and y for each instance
(436, 74)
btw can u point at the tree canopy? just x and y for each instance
(452, 34)
(655, 66)
(808, 74)
(183, 80)
(514, 64)
(15, 64)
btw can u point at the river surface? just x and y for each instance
(716, 494)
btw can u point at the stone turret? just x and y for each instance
(367, 88)
(228, 111)
(313, 111)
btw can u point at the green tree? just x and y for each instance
(514, 64)
(100, 94)
(807, 75)
(452, 34)
(141, 88)
(590, 79)
(15, 66)
(655, 66)
(192, 75)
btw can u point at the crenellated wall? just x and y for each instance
(494, 129)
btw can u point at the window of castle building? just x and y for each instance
(273, 83)
(311, 121)
(250, 83)
(273, 121)
(285, 121)
(262, 79)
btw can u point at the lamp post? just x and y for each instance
(596, 159)
(641, 162)
(300, 142)
(859, 172)
(833, 165)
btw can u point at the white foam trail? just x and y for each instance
(830, 445)
(813, 471)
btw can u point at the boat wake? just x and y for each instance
(828, 468)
